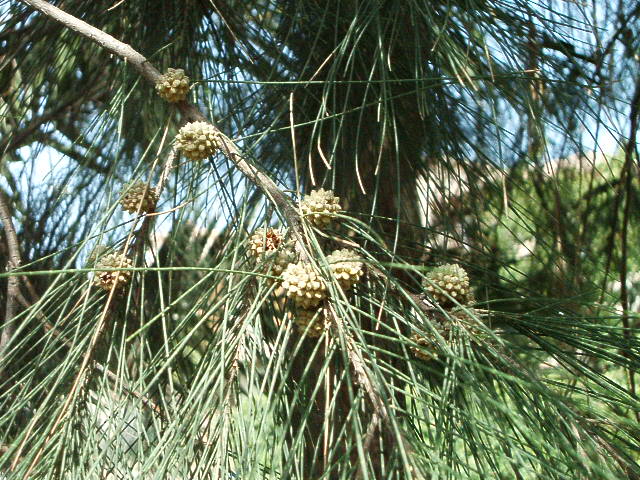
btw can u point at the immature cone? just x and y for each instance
(197, 140)
(108, 274)
(265, 240)
(139, 195)
(304, 285)
(310, 322)
(428, 351)
(173, 86)
(345, 267)
(425, 350)
(275, 262)
(446, 326)
(319, 206)
(279, 260)
(267, 244)
(448, 282)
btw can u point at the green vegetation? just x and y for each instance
(248, 282)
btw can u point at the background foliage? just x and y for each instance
(499, 135)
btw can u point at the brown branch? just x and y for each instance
(13, 285)
(568, 49)
(149, 72)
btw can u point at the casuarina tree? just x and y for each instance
(298, 239)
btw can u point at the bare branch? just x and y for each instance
(149, 72)
(13, 285)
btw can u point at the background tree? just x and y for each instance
(461, 132)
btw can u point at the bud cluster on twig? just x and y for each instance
(304, 282)
(448, 288)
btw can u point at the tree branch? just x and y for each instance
(13, 286)
(149, 72)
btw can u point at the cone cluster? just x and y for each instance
(109, 274)
(319, 206)
(173, 86)
(268, 246)
(265, 240)
(95, 255)
(304, 285)
(310, 322)
(302, 282)
(425, 349)
(448, 285)
(138, 197)
(346, 267)
(279, 260)
(197, 140)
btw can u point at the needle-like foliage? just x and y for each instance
(479, 319)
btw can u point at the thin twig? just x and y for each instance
(75, 388)
(13, 282)
(190, 111)
(146, 401)
(97, 365)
